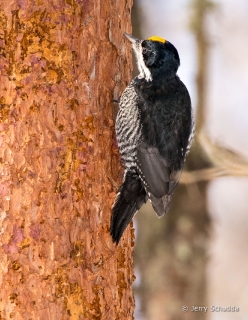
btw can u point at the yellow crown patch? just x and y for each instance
(156, 38)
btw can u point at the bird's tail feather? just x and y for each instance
(129, 199)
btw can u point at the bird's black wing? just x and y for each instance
(165, 115)
(157, 176)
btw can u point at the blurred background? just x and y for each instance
(197, 255)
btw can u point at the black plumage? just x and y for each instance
(129, 199)
(154, 128)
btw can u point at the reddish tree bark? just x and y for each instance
(62, 63)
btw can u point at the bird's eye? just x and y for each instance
(144, 50)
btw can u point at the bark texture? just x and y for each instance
(62, 63)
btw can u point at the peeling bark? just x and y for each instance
(61, 65)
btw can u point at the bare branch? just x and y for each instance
(209, 174)
(225, 163)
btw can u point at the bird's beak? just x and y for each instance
(136, 45)
(132, 38)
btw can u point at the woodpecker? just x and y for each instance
(154, 130)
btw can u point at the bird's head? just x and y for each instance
(156, 57)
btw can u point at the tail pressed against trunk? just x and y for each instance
(130, 198)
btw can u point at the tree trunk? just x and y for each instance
(62, 63)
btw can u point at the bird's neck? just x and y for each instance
(164, 72)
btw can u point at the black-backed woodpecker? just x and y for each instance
(154, 129)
